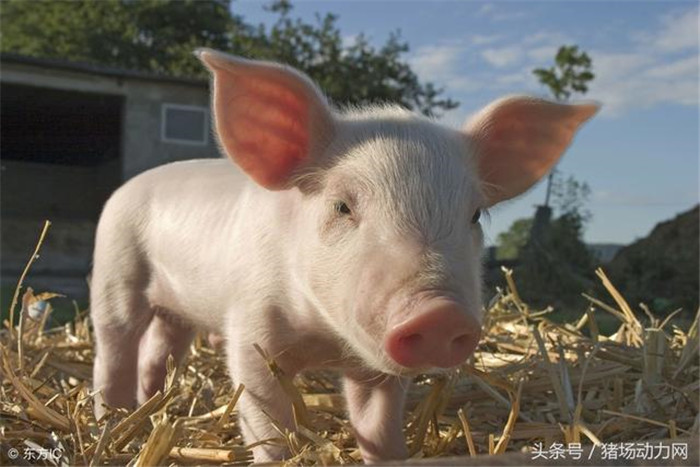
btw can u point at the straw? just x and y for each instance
(531, 380)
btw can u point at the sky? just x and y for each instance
(639, 155)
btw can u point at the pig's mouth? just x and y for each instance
(379, 360)
(406, 372)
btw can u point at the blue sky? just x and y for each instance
(639, 155)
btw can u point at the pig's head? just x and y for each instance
(389, 240)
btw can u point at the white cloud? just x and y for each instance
(539, 48)
(482, 39)
(546, 37)
(543, 54)
(503, 56)
(441, 64)
(677, 69)
(679, 32)
(638, 80)
(434, 63)
(518, 79)
(485, 9)
(463, 83)
(658, 67)
(498, 13)
(661, 67)
(542, 46)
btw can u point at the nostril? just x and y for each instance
(411, 341)
(460, 341)
(407, 348)
(464, 345)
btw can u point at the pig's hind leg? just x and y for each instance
(166, 335)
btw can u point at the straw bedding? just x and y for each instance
(531, 381)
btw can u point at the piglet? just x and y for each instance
(348, 239)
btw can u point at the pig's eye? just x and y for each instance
(342, 208)
(476, 216)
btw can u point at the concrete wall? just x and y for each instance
(142, 144)
(43, 191)
(142, 147)
(66, 194)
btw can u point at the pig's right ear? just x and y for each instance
(270, 119)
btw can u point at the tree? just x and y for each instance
(159, 37)
(571, 73)
(569, 197)
(512, 241)
(555, 264)
(147, 35)
(555, 267)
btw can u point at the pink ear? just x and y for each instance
(270, 119)
(517, 140)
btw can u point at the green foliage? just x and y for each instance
(569, 198)
(555, 264)
(147, 35)
(555, 267)
(513, 240)
(356, 74)
(159, 37)
(570, 73)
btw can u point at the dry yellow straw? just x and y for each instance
(224, 420)
(467, 432)
(33, 258)
(159, 443)
(209, 455)
(510, 424)
(48, 402)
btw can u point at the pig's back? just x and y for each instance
(188, 180)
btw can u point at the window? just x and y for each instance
(184, 124)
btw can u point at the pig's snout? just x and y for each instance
(441, 335)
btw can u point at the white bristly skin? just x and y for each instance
(339, 236)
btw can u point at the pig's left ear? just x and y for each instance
(517, 140)
(270, 119)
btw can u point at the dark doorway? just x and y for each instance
(60, 151)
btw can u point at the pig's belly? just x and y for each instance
(171, 297)
(198, 275)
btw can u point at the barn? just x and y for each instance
(72, 133)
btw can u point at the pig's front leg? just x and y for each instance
(262, 399)
(375, 403)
